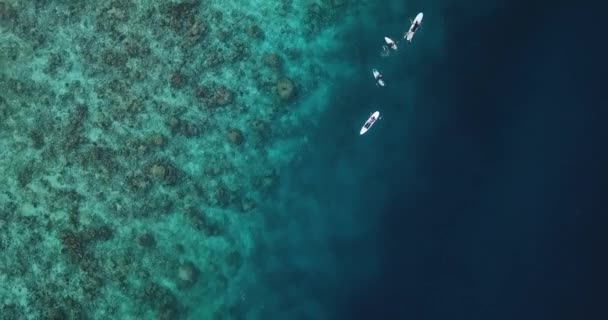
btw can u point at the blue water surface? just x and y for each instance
(480, 194)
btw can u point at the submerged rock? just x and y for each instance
(286, 89)
(163, 171)
(235, 136)
(187, 275)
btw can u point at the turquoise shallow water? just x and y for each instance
(142, 144)
(201, 160)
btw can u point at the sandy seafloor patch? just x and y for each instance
(138, 142)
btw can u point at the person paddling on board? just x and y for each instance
(370, 122)
(378, 78)
(415, 26)
(390, 44)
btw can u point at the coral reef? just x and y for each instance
(140, 141)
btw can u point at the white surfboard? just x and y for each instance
(409, 35)
(370, 122)
(390, 43)
(376, 73)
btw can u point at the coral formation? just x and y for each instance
(184, 127)
(178, 80)
(75, 244)
(187, 275)
(147, 240)
(215, 95)
(235, 136)
(286, 89)
(204, 223)
(272, 60)
(162, 299)
(163, 171)
(137, 140)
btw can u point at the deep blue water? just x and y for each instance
(482, 194)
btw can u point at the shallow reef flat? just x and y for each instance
(139, 141)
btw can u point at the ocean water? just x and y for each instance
(481, 192)
(155, 165)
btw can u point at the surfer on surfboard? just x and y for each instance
(390, 45)
(415, 24)
(370, 122)
(378, 77)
